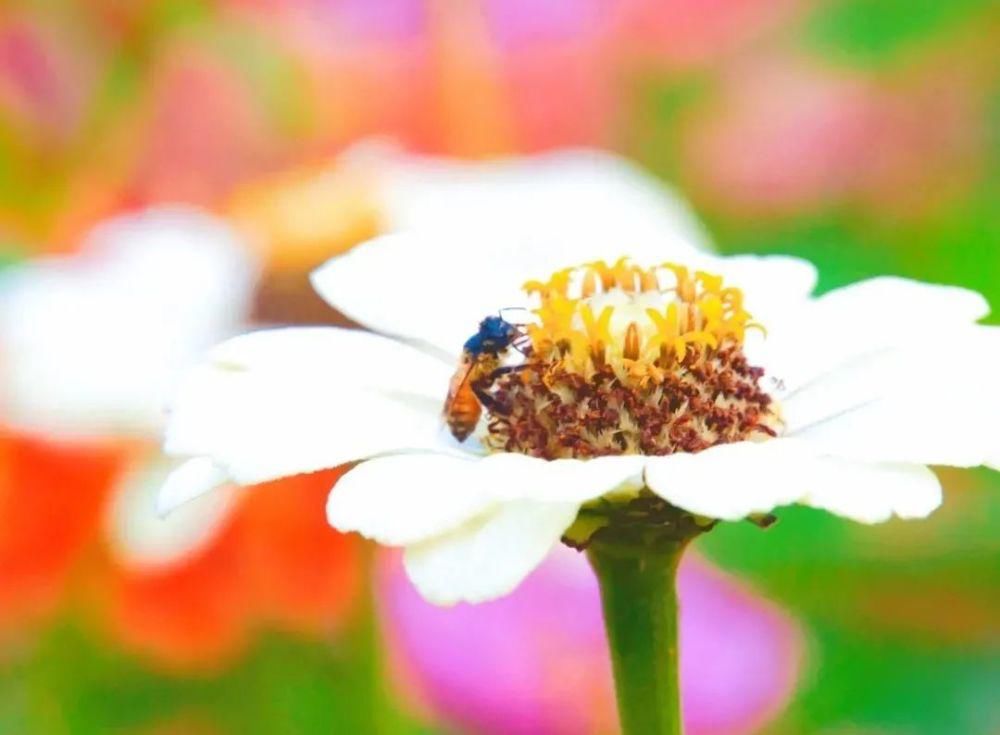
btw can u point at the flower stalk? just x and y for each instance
(639, 599)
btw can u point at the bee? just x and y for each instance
(480, 358)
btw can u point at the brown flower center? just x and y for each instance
(620, 365)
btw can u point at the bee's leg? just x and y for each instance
(504, 370)
(490, 403)
(487, 400)
(522, 344)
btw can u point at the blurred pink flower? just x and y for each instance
(201, 132)
(783, 138)
(536, 661)
(786, 136)
(384, 19)
(496, 76)
(43, 86)
(557, 66)
(689, 32)
(524, 22)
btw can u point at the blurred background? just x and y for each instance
(861, 134)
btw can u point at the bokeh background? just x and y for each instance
(861, 134)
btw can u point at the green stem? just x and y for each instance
(640, 616)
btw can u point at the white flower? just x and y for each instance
(863, 387)
(94, 343)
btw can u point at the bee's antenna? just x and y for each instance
(513, 308)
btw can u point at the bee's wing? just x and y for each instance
(460, 378)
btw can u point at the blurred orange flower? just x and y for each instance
(51, 497)
(275, 562)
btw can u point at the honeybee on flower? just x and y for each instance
(479, 366)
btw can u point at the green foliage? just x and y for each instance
(880, 31)
(843, 249)
(10, 253)
(876, 685)
(72, 684)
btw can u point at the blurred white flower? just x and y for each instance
(550, 202)
(95, 342)
(860, 392)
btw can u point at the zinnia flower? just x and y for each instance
(639, 397)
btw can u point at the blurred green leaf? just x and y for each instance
(874, 685)
(841, 250)
(271, 75)
(652, 125)
(166, 16)
(10, 253)
(72, 684)
(877, 31)
(889, 577)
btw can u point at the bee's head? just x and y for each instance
(495, 328)
(494, 335)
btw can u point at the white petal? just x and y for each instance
(510, 476)
(901, 429)
(873, 492)
(402, 499)
(488, 557)
(862, 318)
(867, 378)
(476, 232)
(261, 427)
(913, 405)
(346, 358)
(732, 481)
(890, 300)
(407, 498)
(300, 400)
(770, 283)
(94, 343)
(420, 287)
(187, 481)
(141, 538)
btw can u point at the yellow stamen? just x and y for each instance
(685, 287)
(601, 269)
(648, 280)
(597, 329)
(710, 283)
(700, 316)
(631, 349)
